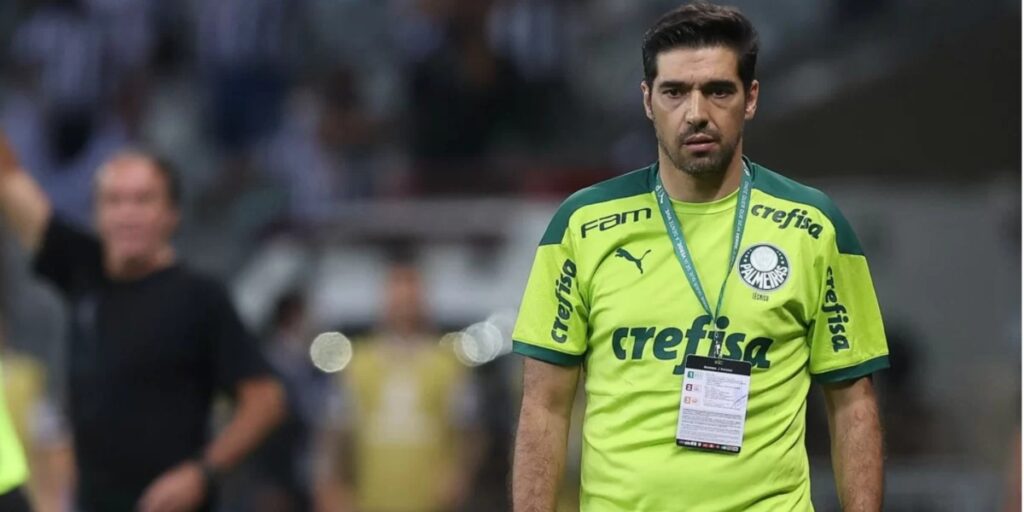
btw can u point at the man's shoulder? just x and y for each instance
(787, 189)
(783, 187)
(630, 184)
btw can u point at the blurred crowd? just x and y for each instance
(296, 104)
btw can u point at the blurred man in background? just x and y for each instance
(617, 286)
(410, 440)
(151, 342)
(279, 476)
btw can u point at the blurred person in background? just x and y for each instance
(322, 152)
(39, 429)
(72, 59)
(151, 342)
(244, 51)
(280, 474)
(14, 466)
(619, 285)
(462, 95)
(410, 440)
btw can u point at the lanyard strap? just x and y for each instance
(675, 234)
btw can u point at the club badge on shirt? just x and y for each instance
(763, 267)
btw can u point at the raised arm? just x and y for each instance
(23, 205)
(548, 393)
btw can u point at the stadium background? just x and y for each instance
(318, 138)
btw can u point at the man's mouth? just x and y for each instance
(699, 143)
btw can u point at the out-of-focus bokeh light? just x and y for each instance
(483, 342)
(331, 352)
(505, 321)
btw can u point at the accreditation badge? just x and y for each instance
(713, 405)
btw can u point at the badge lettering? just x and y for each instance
(796, 218)
(839, 318)
(616, 219)
(637, 343)
(563, 311)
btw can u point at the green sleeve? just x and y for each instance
(847, 338)
(552, 322)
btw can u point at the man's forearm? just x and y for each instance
(260, 408)
(539, 459)
(857, 452)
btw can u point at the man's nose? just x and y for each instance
(696, 110)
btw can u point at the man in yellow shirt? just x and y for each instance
(409, 424)
(702, 294)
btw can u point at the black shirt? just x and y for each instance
(146, 357)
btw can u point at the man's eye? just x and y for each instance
(673, 93)
(720, 93)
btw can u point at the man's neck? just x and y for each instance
(133, 269)
(405, 329)
(683, 186)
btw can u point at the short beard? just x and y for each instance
(710, 165)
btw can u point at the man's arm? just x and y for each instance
(548, 393)
(259, 409)
(856, 444)
(23, 205)
(469, 450)
(333, 460)
(333, 487)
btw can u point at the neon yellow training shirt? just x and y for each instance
(13, 467)
(607, 291)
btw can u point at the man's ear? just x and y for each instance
(646, 90)
(751, 100)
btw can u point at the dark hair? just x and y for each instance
(172, 178)
(289, 305)
(163, 166)
(698, 25)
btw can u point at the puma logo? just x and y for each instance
(624, 254)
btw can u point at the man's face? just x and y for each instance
(134, 213)
(404, 299)
(698, 107)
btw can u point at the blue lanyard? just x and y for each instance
(675, 233)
